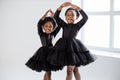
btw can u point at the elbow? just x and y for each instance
(86, 18)
(38, 23)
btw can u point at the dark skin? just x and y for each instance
(48, 28)
(70, 18)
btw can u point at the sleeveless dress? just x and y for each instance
(68, 50)
(38, 61)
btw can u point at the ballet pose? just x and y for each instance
(47, 30)
(69, 51)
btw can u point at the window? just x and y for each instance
(97, 31)
(117, 32)
(117, 5)
(96, 5)
(101, 30)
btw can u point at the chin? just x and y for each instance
(70, 22)
(48, 32)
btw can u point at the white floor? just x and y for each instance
(104, 68)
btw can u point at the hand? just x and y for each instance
(64, 5)
(46, 13)
(75, 7)
(52, 13)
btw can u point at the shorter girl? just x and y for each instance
(46, 30)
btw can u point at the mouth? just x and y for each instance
(48, 31)
(70, 19)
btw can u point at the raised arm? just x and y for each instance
(45, 15)
(84, 17)
(64, 5)
(59, 21)
(83, 20)
(83, 14)
(40, 22)
(57, 13)
(39, 27)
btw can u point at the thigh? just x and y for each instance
(70, 68)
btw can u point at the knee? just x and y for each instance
(76, 70)
(69, 70)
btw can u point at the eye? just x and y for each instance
(67, 15)
(70, 15)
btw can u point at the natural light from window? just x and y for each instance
(97, 31)
(117, 5)
(96, 5)
(117, 32)
(102, 30)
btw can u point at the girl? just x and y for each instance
(69, 51)
(46, 30)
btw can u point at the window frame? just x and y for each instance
(110, 13)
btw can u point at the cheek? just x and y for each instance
(67, 18)
(44, 28)
(51, 30)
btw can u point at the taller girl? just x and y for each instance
(69, 51)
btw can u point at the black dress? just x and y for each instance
(68, 50)
(38, 61)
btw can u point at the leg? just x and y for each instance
(77, 74)
(47, 75)
(69, 72)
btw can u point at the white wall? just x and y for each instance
(18, 36)
(19, 40)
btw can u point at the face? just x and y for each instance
(70, 16)
(48, 27)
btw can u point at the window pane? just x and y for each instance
(97, 5)
(117, 5)
(97, 31)
(117, 32)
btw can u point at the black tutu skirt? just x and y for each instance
(70, 52)
(38, 61)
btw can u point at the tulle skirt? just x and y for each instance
(38, 61)
(70, 51)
